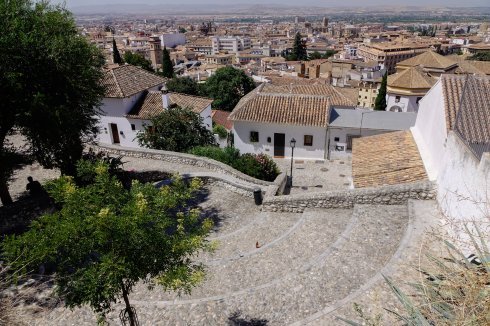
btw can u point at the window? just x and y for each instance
(336, 139)
(254, 136)
(133, 127)
(397, 99)
(308, 140)
(269, 139)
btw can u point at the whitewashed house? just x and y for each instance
(406, 88)
(266, 119)
(449, 145)
(320, 118)
(452, 133)
(133, 97)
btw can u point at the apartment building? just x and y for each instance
(388, 54)
(232, 44)
(220, 59)
(368, 91)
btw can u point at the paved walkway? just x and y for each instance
(309, 268)
(317, 176)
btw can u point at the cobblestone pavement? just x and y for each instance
(309, 268)
(316, 176)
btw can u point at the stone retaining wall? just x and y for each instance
(181, 158)
(387, 195)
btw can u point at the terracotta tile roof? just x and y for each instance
(304, 105)
(127, 80)
(411, 78)
(452, 88)
(315, 89)
(429, 59)
(152, 104)
(220, 117)
(473, 117)
(386, 159)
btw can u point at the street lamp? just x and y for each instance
(292, 143)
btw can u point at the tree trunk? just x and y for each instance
(4, 194)
(132, 319)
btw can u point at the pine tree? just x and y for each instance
(116, 57)
(299, 49)
(167, 66)
(380, 103)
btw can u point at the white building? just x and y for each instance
(406, 88)
(452, 133)
(132, 97)
(449, 145)
(232, 44)
(318, 117)
(172, 40)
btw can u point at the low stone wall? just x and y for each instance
(387, 195)
(181, 158)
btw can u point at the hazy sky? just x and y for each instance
(336, 3)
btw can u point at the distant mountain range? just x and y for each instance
(254, 9)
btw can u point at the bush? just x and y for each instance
(220, 131)
(259, 166)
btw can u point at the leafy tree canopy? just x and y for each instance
(482, 56)
(176, 129)
(137, 59)
(185, 85)
(106, 238)
(49, 81)
(227, 86)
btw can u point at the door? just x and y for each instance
(115, 133)
(279, 143)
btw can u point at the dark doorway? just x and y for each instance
(279, 142)
(115, 133)
(349, 141)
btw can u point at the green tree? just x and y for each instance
(167, 66)
(50, 84)
(315, 55)
(116, 56)
(185, 85)
(482, 56)
(328, 54)
(299, 49)
(106, 238)
(380, 102)
(137, 59)
(227, 86)
(176, 129)
(182, 30)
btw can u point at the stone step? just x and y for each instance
(318, 231)
(339, 271)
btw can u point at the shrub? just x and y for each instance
(220, 131)
(259, 166)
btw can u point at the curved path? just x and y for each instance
(307, 267)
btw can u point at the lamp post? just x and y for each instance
(292, 143)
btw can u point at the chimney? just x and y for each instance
(165, 99)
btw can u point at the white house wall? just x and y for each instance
(342, 133)
(207, 119)
(430, 131)
(242, 142)
(464, 184)
(407, 103)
